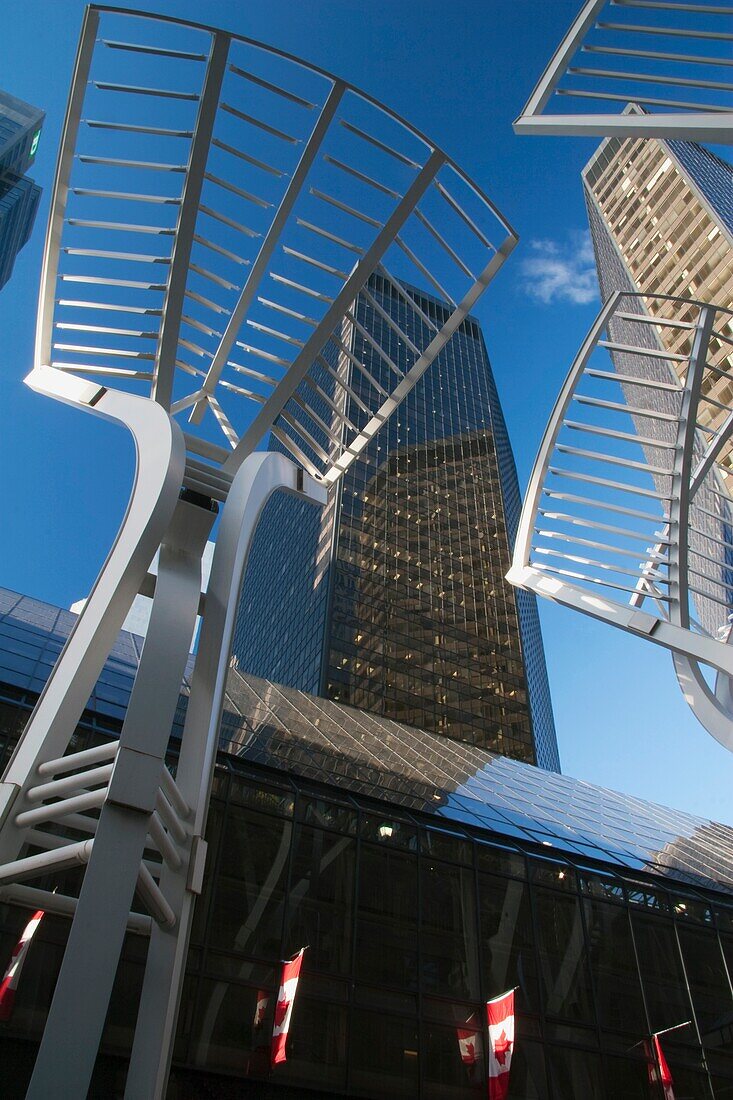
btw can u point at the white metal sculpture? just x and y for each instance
(212, 226)
(670, 57)
(629, 512)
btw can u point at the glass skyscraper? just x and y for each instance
(20, 132)
(661, 220)
(394, 599)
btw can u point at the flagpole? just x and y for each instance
(664, 1031)
(674, 1028)
(499, 996)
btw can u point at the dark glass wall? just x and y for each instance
(410, 927)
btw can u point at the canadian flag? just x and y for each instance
(470, 1045)
(500, 1013)
(11, 977)
(659, 1072)
(284, 1007)
(260, 1008)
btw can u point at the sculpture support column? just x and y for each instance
(260, 475)
(81, 998)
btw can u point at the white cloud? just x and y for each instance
(561, 273)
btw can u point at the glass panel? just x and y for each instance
(321, 899)
(449, 941)
(501, 860)
(507, 941)
(453, 1060)
(261, 796)
(384, 1055)
(576, 1074)
(247, 909)
(562, 957)
(329, 815)
(602, 887)
(613, 966)
(560, 876)
(662, 976)
(692, 909)
(528, 1077)
(689, 1083)
(229, 1031)
(445, 846)
(373, 997)
(641, 894)
(627, 1079)
(316, 1043)
(709, 985)
(386, 944)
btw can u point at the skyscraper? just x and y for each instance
(661, 220)
(20, 131)
(397, 601)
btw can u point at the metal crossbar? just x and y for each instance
(592, 36)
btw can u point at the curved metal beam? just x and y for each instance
(160, 462)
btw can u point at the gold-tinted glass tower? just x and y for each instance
(661, 218)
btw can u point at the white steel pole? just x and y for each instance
(259, 476)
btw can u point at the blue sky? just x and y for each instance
(460, 72)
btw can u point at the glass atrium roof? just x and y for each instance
(362, 753)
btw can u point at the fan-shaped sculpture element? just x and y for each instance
(215, 216)
(669, 57)
(629, 512)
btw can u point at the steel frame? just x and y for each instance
(694, 120)
(116, 810)
(676, 479)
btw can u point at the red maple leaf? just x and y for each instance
(469, 1051)
(281, 1009)
(502, 1047)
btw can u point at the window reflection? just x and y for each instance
(709, 986)
(507, 941)
(247, 909)
(320, 899)
(386, 948)
(562, 957)
(662, 976)
(613, 965)
(448, 926)
(384, 1055)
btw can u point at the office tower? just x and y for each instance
(425, 876)
(20, 132)
(661, 220)
(395, 598)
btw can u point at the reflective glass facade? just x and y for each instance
(20, 131)
(660, 220)
(425, 876)
(395, 600)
